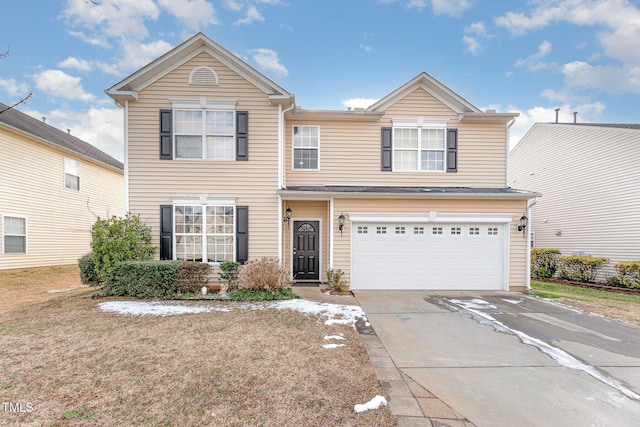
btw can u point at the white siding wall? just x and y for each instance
(588, 177)
(59, 220)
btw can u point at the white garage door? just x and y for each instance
(428, 256)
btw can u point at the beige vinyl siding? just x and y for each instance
(154, 182)
(59, 220)
(588, 178)
(307, 210)
(350, 150)
(517, 243)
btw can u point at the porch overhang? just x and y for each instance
(328, 192)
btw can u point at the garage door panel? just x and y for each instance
(428, 256)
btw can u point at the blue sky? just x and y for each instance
(526, 56)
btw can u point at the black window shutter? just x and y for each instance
(242, 135)
(242, 234)
(166, 232)
(452, 150)
(166, 146)
(386, 149)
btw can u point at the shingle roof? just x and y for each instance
(433, 191)
(609, 125)
(54, 136)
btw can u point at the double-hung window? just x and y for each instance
(71, 174)
(419, 146)
(204, 233)
(306, 147)
(14, 230)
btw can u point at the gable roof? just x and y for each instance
(128, 88)
(465, 109)
(18, 121)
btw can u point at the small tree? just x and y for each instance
(544, 262)
(119, 239)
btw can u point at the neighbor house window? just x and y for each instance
(419, 149)
(306, 147)
(71, 174)
(204, 134)
(204, 233)
(14, 230)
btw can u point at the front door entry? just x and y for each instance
(306, 250)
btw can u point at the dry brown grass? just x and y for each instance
(77, 365)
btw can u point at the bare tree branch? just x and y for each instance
(23, 100)
(5, 54)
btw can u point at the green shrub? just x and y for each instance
(263, 274)
(544, 262)
(261, 295)
(229, 274)
(580, 268)
(143, 279)
(192, 276)
(119, 239)
(628, 274)
(88, 274)
(335, 282)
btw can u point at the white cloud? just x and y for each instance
(101, 127)
(113, 18)
(76, 64)
(195, 14)
(95, 40)
(60, 84)
(450, 7)
(416, 4)
(134, 55)
(606, 77)
(473, 45)
(269, 61)
(534, 62)
(232, 5)
(359, 103)
(474, 34)
(252, 15)
(13, 88)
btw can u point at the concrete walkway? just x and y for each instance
(413, 404)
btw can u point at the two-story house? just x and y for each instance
(54, 185)
(409, 193)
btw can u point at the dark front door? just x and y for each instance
(306, 250)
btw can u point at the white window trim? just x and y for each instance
(203, 104)
(26, 234)
(203, 201)
(293, 149)
(419, 123)
(64, 175)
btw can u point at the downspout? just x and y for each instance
(507, 163)
(527, 282)
(125, 139)
(331, 232)
(281, 113)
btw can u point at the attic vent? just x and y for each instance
(203, 76)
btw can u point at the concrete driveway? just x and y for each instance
(506, 359)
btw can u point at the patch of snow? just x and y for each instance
(334, 337)
(141, 308)
(476, 303)
(336, 314)
(562, 357)
(374, 403)
(513, 301)
(333, 345)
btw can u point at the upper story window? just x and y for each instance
(71, 174)
(306, 147)
(419, 149)
(14, 230)
(204, 134)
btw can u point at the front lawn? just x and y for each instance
(65, 362)
(610, 304)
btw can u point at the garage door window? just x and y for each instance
(492, 231)
(455, 230)
(474, 231)
(363, 230)
(400, 230)
(418, 230)
(381, 230)
(436, 230)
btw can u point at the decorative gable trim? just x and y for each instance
(432, 86)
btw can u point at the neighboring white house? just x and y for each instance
(53, 186)
(589, 175)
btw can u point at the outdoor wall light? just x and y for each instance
(523, 224)
(287, 215)
(341, 219)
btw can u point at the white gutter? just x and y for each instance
(125, 139)
(527, 283)
(281, 174)
(331, 233)
(507, 174)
